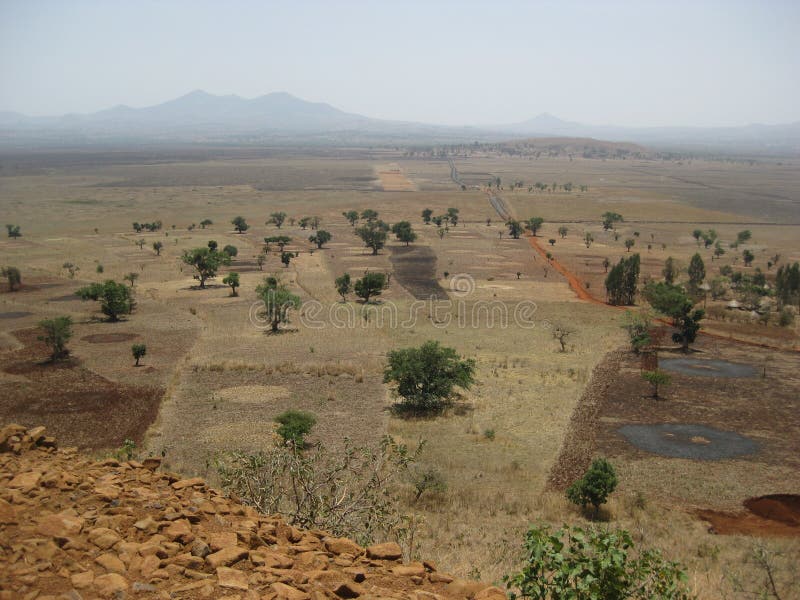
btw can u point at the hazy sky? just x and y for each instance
(628, 63)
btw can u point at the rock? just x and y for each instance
(36, 434)
(409, 570)
(185, 483)
(103, 538)
(491, 593)
(385, 551)
(271, 560)
(232, 578)
(151, 463)
(349, 589)
(223, 539)
(200, 548)
(111, 563)
(439, 578)
(111, 584)
(107, 492)
(8, 514)
(226, 557)
(342, 546)
(59, 526)
(287, 592)
(179, 531)
(82, 580)
(147, 524)
(25, 482)
(464, 588)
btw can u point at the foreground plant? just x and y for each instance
(347, 493)
(573, 563)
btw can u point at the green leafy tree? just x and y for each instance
(697, 234)
(304, 222)
(278, 302)
(610, 219)
(115, 299)
(743, 236)
(697, 272)
(72, 269)
(371, 285)
(206, 262)
(369, 215)
(57, 332)
(280, 240)
(748, 257)
(13, 231)
(343, 286)
(718, 250)
(452, 216)
(373, 234)
(574, 563)
(514, 228)
(426, 215)
(138, 351)
(230, 251)
(131, 278)
(232, 280)
(404, 232)
(277, 219)
(426, 377)
(599, 481)
(673, 301)
(638, 325)
(588, 239)
(320, 238)
(670, 270)
(562, 231)
(240, 224)
(205, 223)
(286, 258)
(534, 224)
(13, 276)
(158, 247)
(629, 243)
(656, 379)
(438, 220)
(709, 237)
(351, 216)
(212, 245)
(622, 280)
(294, 426)
(787, 284)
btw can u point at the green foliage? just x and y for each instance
(656, 378)
(373, 234)
(573, 563)
(743, 236)
(206, 261)
(426, 376)
(610, 218)
(369, 215)
(562, 231)
(452, 216)
(138, 351)
(514, 228)
(277, 219)
(622, 280)
(295, 425)
(351, 216)
(278, 302)
(343, 286)
(281, 240)
(232, 280)
(57, 332)
(131, 277)
(787, 284)
(629, 243)
(158, 247)
(428, 480)
(13, 276)
(426, 215)
(286, 258)
(230, 251)
(670, 270)
(673, 301)
(595, 485)
(115, 298)
(697, 271)
(748, 257)
(240, 224)
(320, 238)
(534, 224)
(125, 452)
(638, 325)
(372, 284)
(13, 231)
(404, 232)
(588, 239)
(205, 222)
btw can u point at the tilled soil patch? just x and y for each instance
(415, 269)
(109, 338)
(77, 405)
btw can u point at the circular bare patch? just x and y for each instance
(109, 338)
(678, 440)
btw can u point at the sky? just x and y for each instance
(636, 63)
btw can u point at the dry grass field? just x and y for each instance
(213, 379)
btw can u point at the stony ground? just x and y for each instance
(72, 527)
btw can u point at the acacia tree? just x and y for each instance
(232, 280)
(610, 219)
(13, 276)
(426, 377)
(320, 238)
(57, 332)
(656, 378)
(13, 231)
(622, 280)
(562, 231)
(115, 298)
(205, 222)
(748, 257)
(594, 487)
(404, 232)
(373, 234)
(158, 247)
(670, 270)
(588, 239)
(426, 216)
(370, 285)
(514, 228)
(277, 219)
(673, 301)
(351, 216)
(369, 215)
(138, 351)
(286, 258)
(534, 224)
(278, 302)
(206, 261)
(240, 224)
(452, 216)
(343, 286)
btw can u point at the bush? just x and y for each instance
(294, 425)
(138, 351)
(115, 298)
(593, 564)
(428, 480)
(57, 332)
(595, 486)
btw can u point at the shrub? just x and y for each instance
(13, 276)
(138, 351)
(57, 332)
(428, 480)
(294, 425)
(595, 485)
(656, 378)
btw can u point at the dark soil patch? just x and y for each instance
(707, 367)
(697, 442)
(776, 515)
(109, 338)
(415, 269)
(14, 314)
(66, 298)
(78, 406)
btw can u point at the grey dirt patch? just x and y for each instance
(14, 314)
(707, 367)
(415, 269)
(697, 442)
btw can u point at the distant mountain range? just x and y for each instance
(282, 118)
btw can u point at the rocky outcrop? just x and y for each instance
(72, 528)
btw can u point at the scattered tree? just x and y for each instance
(158, 247)
(232, 280)
(426, 376)
(294, 426)
(138, 351)
(72, 269)
(286, 258)
(552, 241)
(131, 278)
(343, 286)
(13, 276)
(426, 216)
(610, 218)
(562, 333)
(638, 325)
(230, 251)
(206, 261)
(115, 299)
(697, 272)
(629, 243)
(534, 224)
(372, 284)
(656, 378)
(562, 231)
(588, 238)
(278, 302)
(404, 232)
(277, 219)
(369, 215)
(670, 270)
(240, 224)
(514, 228)
(13, 231)
(595, 485)
(622, 280)
(205, 223)
(373, 234)
(672, 300)
(320, 238)
(452, 216)
(57, 332)
(748, 257)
